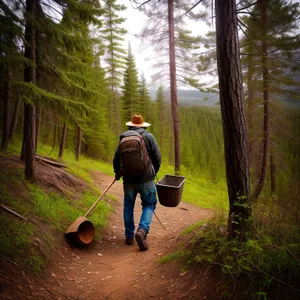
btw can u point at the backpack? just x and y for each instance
(134, 158)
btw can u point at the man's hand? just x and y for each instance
(118, 175)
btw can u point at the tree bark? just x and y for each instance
(38, 74)
(233, 119)
(37, 125)
(173, 87)
(14, 119)
(54, 136)
(78, 142)
(29, 76)
(266, 126)
(272, 172)
(22, 156)
(62, 141)
(251, 105)
(5, 130)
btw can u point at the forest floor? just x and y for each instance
(109, 269)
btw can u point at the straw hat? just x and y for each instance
(137, 121)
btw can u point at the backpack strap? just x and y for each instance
(143, 134)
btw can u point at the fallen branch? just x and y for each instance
(50, 162)
(12, 262)
(14, 213)
(183, 208)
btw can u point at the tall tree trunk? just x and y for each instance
(22, 156)
(29, 76)
(14, 119)
(62, 141)
(173, 87)
(78, 141)
(54, 136)
(251, 106)
(272, 174)
(38, 75)
(171, 141)
(233, 119)
(265, 77)
(37, 125)
(5, 130)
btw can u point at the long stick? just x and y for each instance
(14, 213)
(91, 208)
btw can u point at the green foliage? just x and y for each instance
(202, 142)
(193, 227)
(130, 99)
(52, 208)
(161, 120)
(15, 236)
(144, 99)
(264, 260)
(81, 168)
(112, 35)
(18, 238)
(34, 264)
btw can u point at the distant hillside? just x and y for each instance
(197, 98)
(192, 97)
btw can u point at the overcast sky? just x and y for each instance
(134, 23)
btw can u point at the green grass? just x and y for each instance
(79, 168)
(199, 190)
(193, 227)
(52, 209)
(15, 236)
(60, 212)
(34, 263)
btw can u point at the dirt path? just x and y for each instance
(112, 270)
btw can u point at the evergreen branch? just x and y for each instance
(39, 93)
(248, 37)
(247, 27)
(246, 7)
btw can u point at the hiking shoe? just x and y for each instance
(129, 241)
(140, 238)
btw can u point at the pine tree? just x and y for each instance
(130, 99)
(10, 60)
(162, 121)
(270, 47)
(112, 34)
(144, 99)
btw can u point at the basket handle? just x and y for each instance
(156, 178)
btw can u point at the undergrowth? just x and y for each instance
(267, 260)
(30, 243)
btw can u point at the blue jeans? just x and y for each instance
(147, 190)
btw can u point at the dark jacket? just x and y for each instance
(153, 152)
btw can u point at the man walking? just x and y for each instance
(137, 159)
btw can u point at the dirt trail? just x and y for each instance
(109, 269)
